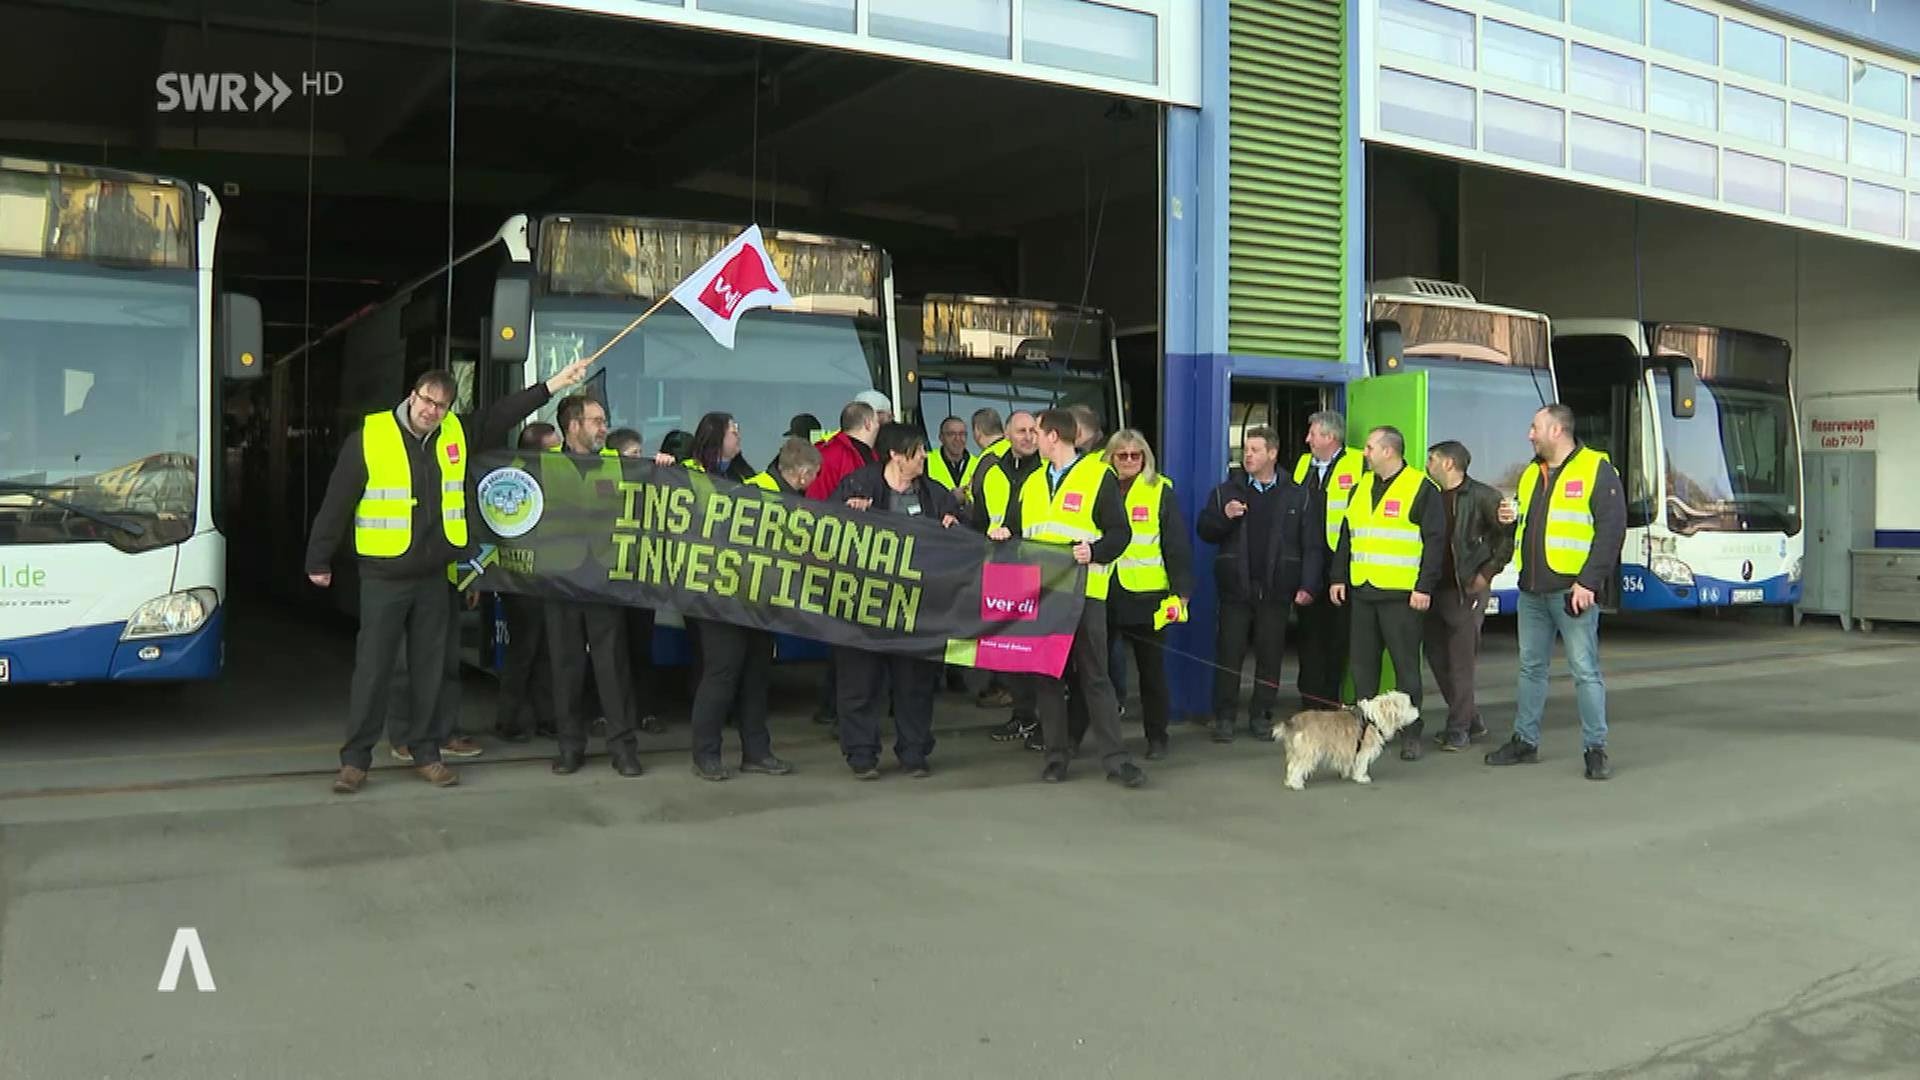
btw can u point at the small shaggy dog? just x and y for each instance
(1345, 739)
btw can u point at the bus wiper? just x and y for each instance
(39, 491)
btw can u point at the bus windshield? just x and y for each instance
(100, 408)
(669, 372)
(1486, 409)
(1450, 332)
(961, 389)
(1734, 466)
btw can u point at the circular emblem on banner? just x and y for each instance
(510, 502)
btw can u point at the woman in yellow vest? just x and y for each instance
(1153, 579)
(1392, 551)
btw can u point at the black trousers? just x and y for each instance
(643, 685)
(526, 680)
(1262, 624)
(579, 634)
(393, 610)
(734, 662)
(1324, 631)
(1382, 620)
(1088, 672)
(446, 709)
(864, 680)
(1453, 649)
(1150, 661)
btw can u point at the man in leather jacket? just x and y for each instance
(1478, 548)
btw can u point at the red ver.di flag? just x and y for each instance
(737, 280)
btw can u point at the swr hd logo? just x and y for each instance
(181, 91)
(1009, 592)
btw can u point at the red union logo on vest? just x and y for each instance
(1345, 481)
(1574, 488)
(1071, 502)
(1391, 508)
(1009, 592)
(1140, 513)
(453, 453)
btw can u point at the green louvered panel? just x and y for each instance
(1287, 179)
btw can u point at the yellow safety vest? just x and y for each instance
(1569, 511)
(567, 526)
(999, 449)
(1065, 517)
(938, 472)
(1386, 542)
(1342, 475)
(383, 520)
(1142, 568)
(765, 482)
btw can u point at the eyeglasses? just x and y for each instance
(443, 406)
(1128, 455)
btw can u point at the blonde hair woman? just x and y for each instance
(1157, 566)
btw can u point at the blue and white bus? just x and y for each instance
(1702, 425)
(112, 348)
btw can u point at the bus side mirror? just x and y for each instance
(510, 326)
(1388, 346)
(1681, 377)
(241, 337)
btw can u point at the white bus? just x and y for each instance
(111, 564)
(545, 291)
(965, 353)
(1701, 423)
(1443, 366)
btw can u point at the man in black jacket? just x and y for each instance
(995, 481)
(897, 483)
(1392, 545)
(1478, 548)
(1271, 558)
(1575, 520)
(408, 595)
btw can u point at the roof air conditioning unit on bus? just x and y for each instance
(1419, 286)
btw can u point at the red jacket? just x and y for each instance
(840, 457)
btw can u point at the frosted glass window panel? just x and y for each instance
(1427, 30)
(1877, 209)
(1881, 89)
(1879, 148)
(1428, 108)
(1754, 181)
(1753, 116)
(984, 27)
(1819, 196)
(1679, 96)
(1603, 148)
(1620, 18)
(1076, 35)
(1686, 31)
(1913, 217)
(1509, 52)
(1753, 51)
(822, 14)
(1816, 132)
(1913, 156)
(1523, 130)
(1819, 71)
(1608, 77)
(1546, 9)
(1913, 96)
(1683, 165)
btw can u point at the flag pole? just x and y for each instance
(615, 339)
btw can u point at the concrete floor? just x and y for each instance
(1738, 902)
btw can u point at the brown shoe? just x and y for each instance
(349, 780)
(438, 774)
(461, 747)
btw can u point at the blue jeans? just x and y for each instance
(1542, 615)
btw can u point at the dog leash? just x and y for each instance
(1311, 699)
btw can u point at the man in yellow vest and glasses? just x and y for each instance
(1074, 501)
(1388, 565)
(1573, 519)
(1329, 470)
(1000, 474)
(949, 461)
(400, 482)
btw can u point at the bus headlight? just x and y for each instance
(171, 615)
(1671, 570)
(1794, 571)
